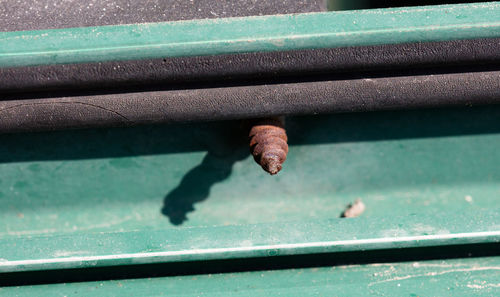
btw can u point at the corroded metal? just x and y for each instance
(268, 143)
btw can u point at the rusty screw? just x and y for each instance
(268, 143)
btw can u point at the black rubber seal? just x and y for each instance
(237, 102)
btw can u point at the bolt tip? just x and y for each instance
(271, 164)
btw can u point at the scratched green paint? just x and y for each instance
(250, 34)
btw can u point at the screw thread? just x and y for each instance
(268, 143)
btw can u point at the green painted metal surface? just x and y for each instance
(188, 193)
(118, 196)
(423, 162)
(459, 277)
(250, 34)
(229, 242)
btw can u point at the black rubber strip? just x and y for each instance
(365, 94)
(119, 76)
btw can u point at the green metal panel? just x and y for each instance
(422, 162)
(117, 196)
(264, 240)
(176, 193)
(460, 277)
(250, 34)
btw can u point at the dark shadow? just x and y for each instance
(116, 142)
(195, 185)
(178, 138)
(225, 147)
(390, 125)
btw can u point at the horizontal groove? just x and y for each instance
(249, 264)
(298, 248)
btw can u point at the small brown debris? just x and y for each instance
(354, 209)
(268, 143)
